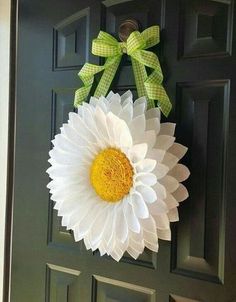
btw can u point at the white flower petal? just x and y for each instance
(121, 226)
(138, 246)
(140, 101)
(160, 190)
(93, 101)
(152, 113)
(148, 225)
(181, 193)
(133, 253)
(148, 137)
(153, 124)
(132, 220)
(167, 129)
(173, 215)
(137, 126)
(100, 119)
(139, 206)
(126, 96)
(137, 152)
(170, 160)
(148, 194)
(170, 201)
(115, 106)
(158, 207)
(110, 94)
(97, 228)
(156, 154)
(148, 179)
(139, 109)
(146, 165)
(152, 247)
(164, 234)
(150, 238)
(162, 221)
(178, 150)
(170, 183)
(164, 142)
(180, 172)
(160, 170)
(74, 136)
(126, 113)
(76, 122)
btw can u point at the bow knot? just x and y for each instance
(108, 47)
(123, 47)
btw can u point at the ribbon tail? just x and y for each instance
(86, 75)
(110, 67)
(140, 76)
(156, 91)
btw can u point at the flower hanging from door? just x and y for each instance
(116, 176)
(116, 180)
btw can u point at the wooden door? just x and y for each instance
(197, 52)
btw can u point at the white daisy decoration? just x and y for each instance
(116, 180)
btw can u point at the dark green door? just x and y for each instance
(197, 52)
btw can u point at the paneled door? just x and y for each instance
(197, 53)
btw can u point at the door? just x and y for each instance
(197, 52)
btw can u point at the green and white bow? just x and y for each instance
(107, 46)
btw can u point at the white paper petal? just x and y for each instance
(121, 226)
(164, 142)
(162, 222)
(156, 154)
(148, 179)
(173, 215)
(181, 193)
(139, 109)
(171, 201)
(178, 150)
(167, 129)
(152, 113)
(126, 113)
(148, 194)
(137, 152)
(158, 207)
(126, 96)
(164, 234)
(160, 170)
(149, 225)
(146, 165)
(137, 126)
(148, 137)
(180, 172)
(115, 106)
(160, 190)
(170, 160)
(132, 220)
(170, 183)
(139, 206)
(153, 124)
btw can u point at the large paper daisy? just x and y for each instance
(116, 180)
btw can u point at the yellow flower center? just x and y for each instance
(111, 174)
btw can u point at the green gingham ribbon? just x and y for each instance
(107, 46)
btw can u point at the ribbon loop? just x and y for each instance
(108, 47)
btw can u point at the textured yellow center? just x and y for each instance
(111, 174)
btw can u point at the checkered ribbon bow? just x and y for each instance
(107, 46)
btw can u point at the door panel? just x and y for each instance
(197, 52)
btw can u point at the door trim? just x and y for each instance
(11, 105)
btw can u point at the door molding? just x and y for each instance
(8, 123)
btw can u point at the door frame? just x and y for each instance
(8, 52)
